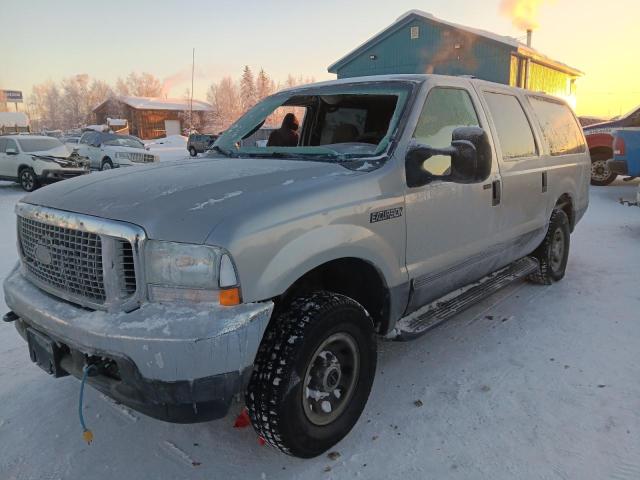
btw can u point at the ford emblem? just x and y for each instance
(43, 254)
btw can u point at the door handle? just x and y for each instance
(545, 182)
(496, 192)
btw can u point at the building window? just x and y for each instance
(415, 32)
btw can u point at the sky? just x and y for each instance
(50, 40)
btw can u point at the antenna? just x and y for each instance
(193, 66)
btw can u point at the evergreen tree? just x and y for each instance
(247, 89)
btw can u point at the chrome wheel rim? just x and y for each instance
(557, 249)
(27, 180)
(600, 170)
(106, 166)
(330, 379)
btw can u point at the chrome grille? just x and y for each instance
(126, 267)
(141, 157)
(66, 259)
(91, 261)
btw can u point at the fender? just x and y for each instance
(319, 246)
(600, 138)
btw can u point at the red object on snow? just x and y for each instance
(261, 441)
(242, 420)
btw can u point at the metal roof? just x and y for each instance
(519, 47)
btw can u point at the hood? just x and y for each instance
(183, 201)
(61, 152)
(121, 148)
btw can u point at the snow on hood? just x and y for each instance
(184, 201)
(61, 151)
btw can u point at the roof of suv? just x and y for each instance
(417, 78)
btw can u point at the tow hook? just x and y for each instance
(10, 317)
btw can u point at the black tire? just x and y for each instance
(553, 252)
(601, 175)
(192, 152)
(106, 164)
(294, 351)
(28, 180)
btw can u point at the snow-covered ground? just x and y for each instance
(535, 382)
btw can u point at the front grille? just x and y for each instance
(70, 263)
(141, 157)
(66, 259)
(126, 265)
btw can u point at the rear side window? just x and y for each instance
(513, 129)
(558, 125)
(3, 145)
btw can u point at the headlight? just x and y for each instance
(123, 155)
(195, 273)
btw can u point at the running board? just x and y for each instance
(438, 311)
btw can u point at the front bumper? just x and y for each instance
(176, 363)
(618, 166)
(51, 176)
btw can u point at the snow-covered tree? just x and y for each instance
(247, 89)
(264, 85)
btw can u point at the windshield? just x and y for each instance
(29, 145)
(330, 123)
(122, 141)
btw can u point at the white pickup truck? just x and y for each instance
(271, 271)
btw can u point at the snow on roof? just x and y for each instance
(11, 119)
(513, 42)
(156, 103)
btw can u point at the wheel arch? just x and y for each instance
(601, 152)
(353, 277)
(565, 203)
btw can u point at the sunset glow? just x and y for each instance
(591, 36)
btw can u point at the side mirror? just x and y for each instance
(11, 151)
(470, 154)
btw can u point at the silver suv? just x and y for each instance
(270, 272)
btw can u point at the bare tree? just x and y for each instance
(3, 101)
(45, 104)
(74, 100)
(122, 88)
(143, 85)
(226, 101)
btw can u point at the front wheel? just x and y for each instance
(192, 152)
(28, 180)
(106, 164)
(312, 374)
(553, 253)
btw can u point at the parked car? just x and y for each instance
(199, 142)
(269, 271)
(626, 157)
(34, 160)
(71, 141)
(109, 150)
(600, 141)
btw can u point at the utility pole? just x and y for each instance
(193, 66)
